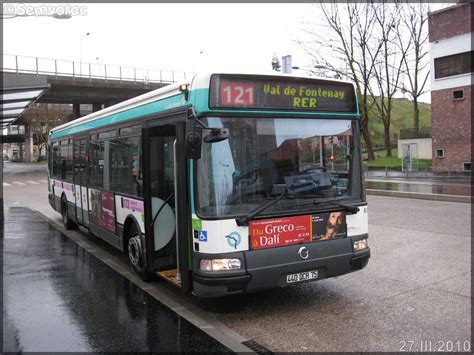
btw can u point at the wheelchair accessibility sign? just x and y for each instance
(202, 236)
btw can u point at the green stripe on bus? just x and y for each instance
(128, 115)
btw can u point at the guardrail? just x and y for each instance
(410, 133)
(58, 67)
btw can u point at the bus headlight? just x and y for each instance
(220, 264)
(360, 244)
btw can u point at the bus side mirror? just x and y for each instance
(192, 143)
(192, 139)
(217, 135)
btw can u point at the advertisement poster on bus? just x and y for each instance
(294, 230)
(280, 232)
(329, 225)
(96, 207)
(108, 210)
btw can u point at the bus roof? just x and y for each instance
(171, 97)
(158, 94)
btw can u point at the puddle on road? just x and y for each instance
(58, 297)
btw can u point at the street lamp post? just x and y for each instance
(326, 71)
(310, 70)
(80, 53)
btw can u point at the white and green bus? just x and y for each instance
(227, 184)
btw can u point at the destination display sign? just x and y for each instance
(277, 93)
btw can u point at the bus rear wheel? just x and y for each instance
(67, 223)
(136, 254)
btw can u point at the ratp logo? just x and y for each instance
(233, 239)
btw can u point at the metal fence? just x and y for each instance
(423, 132)
(59, 67)
(15, 130)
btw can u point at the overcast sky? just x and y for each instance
(164, 36)
(182, 37)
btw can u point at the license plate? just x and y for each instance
(302, 276)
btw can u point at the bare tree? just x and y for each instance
(416, 62)
(388, 64)
(342, 44)
(42, 118)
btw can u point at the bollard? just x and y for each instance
(386, 172)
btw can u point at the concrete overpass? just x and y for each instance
(76, 83)
(27, 80)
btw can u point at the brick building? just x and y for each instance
(451, 38)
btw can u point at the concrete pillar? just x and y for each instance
(96, 107)
(111, 103)
(20, 151)
(28, 144)
(76, 111)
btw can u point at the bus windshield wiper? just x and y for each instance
(352, 209)
(244, 220)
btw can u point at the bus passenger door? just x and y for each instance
(80, 180)
(160, 196)
(167, 208)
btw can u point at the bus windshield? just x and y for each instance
(311, 158)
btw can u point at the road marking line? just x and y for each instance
(19, 183)
(6, 184)
(43, 181)
(32, 182)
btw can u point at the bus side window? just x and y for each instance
(48, 155)
(55, 160)
(63, 156)
(125, 166)
(97, 164)
(69, 162)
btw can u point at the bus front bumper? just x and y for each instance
(268, 268)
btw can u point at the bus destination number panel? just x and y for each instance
(266, 92)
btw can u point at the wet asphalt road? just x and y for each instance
(416, 289)
(459, 189)
(58, 297)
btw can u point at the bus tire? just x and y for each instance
(67, 223)
(135, 252)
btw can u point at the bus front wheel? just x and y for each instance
(136, 255)
(67, 223)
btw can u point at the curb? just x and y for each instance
(420, 196)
